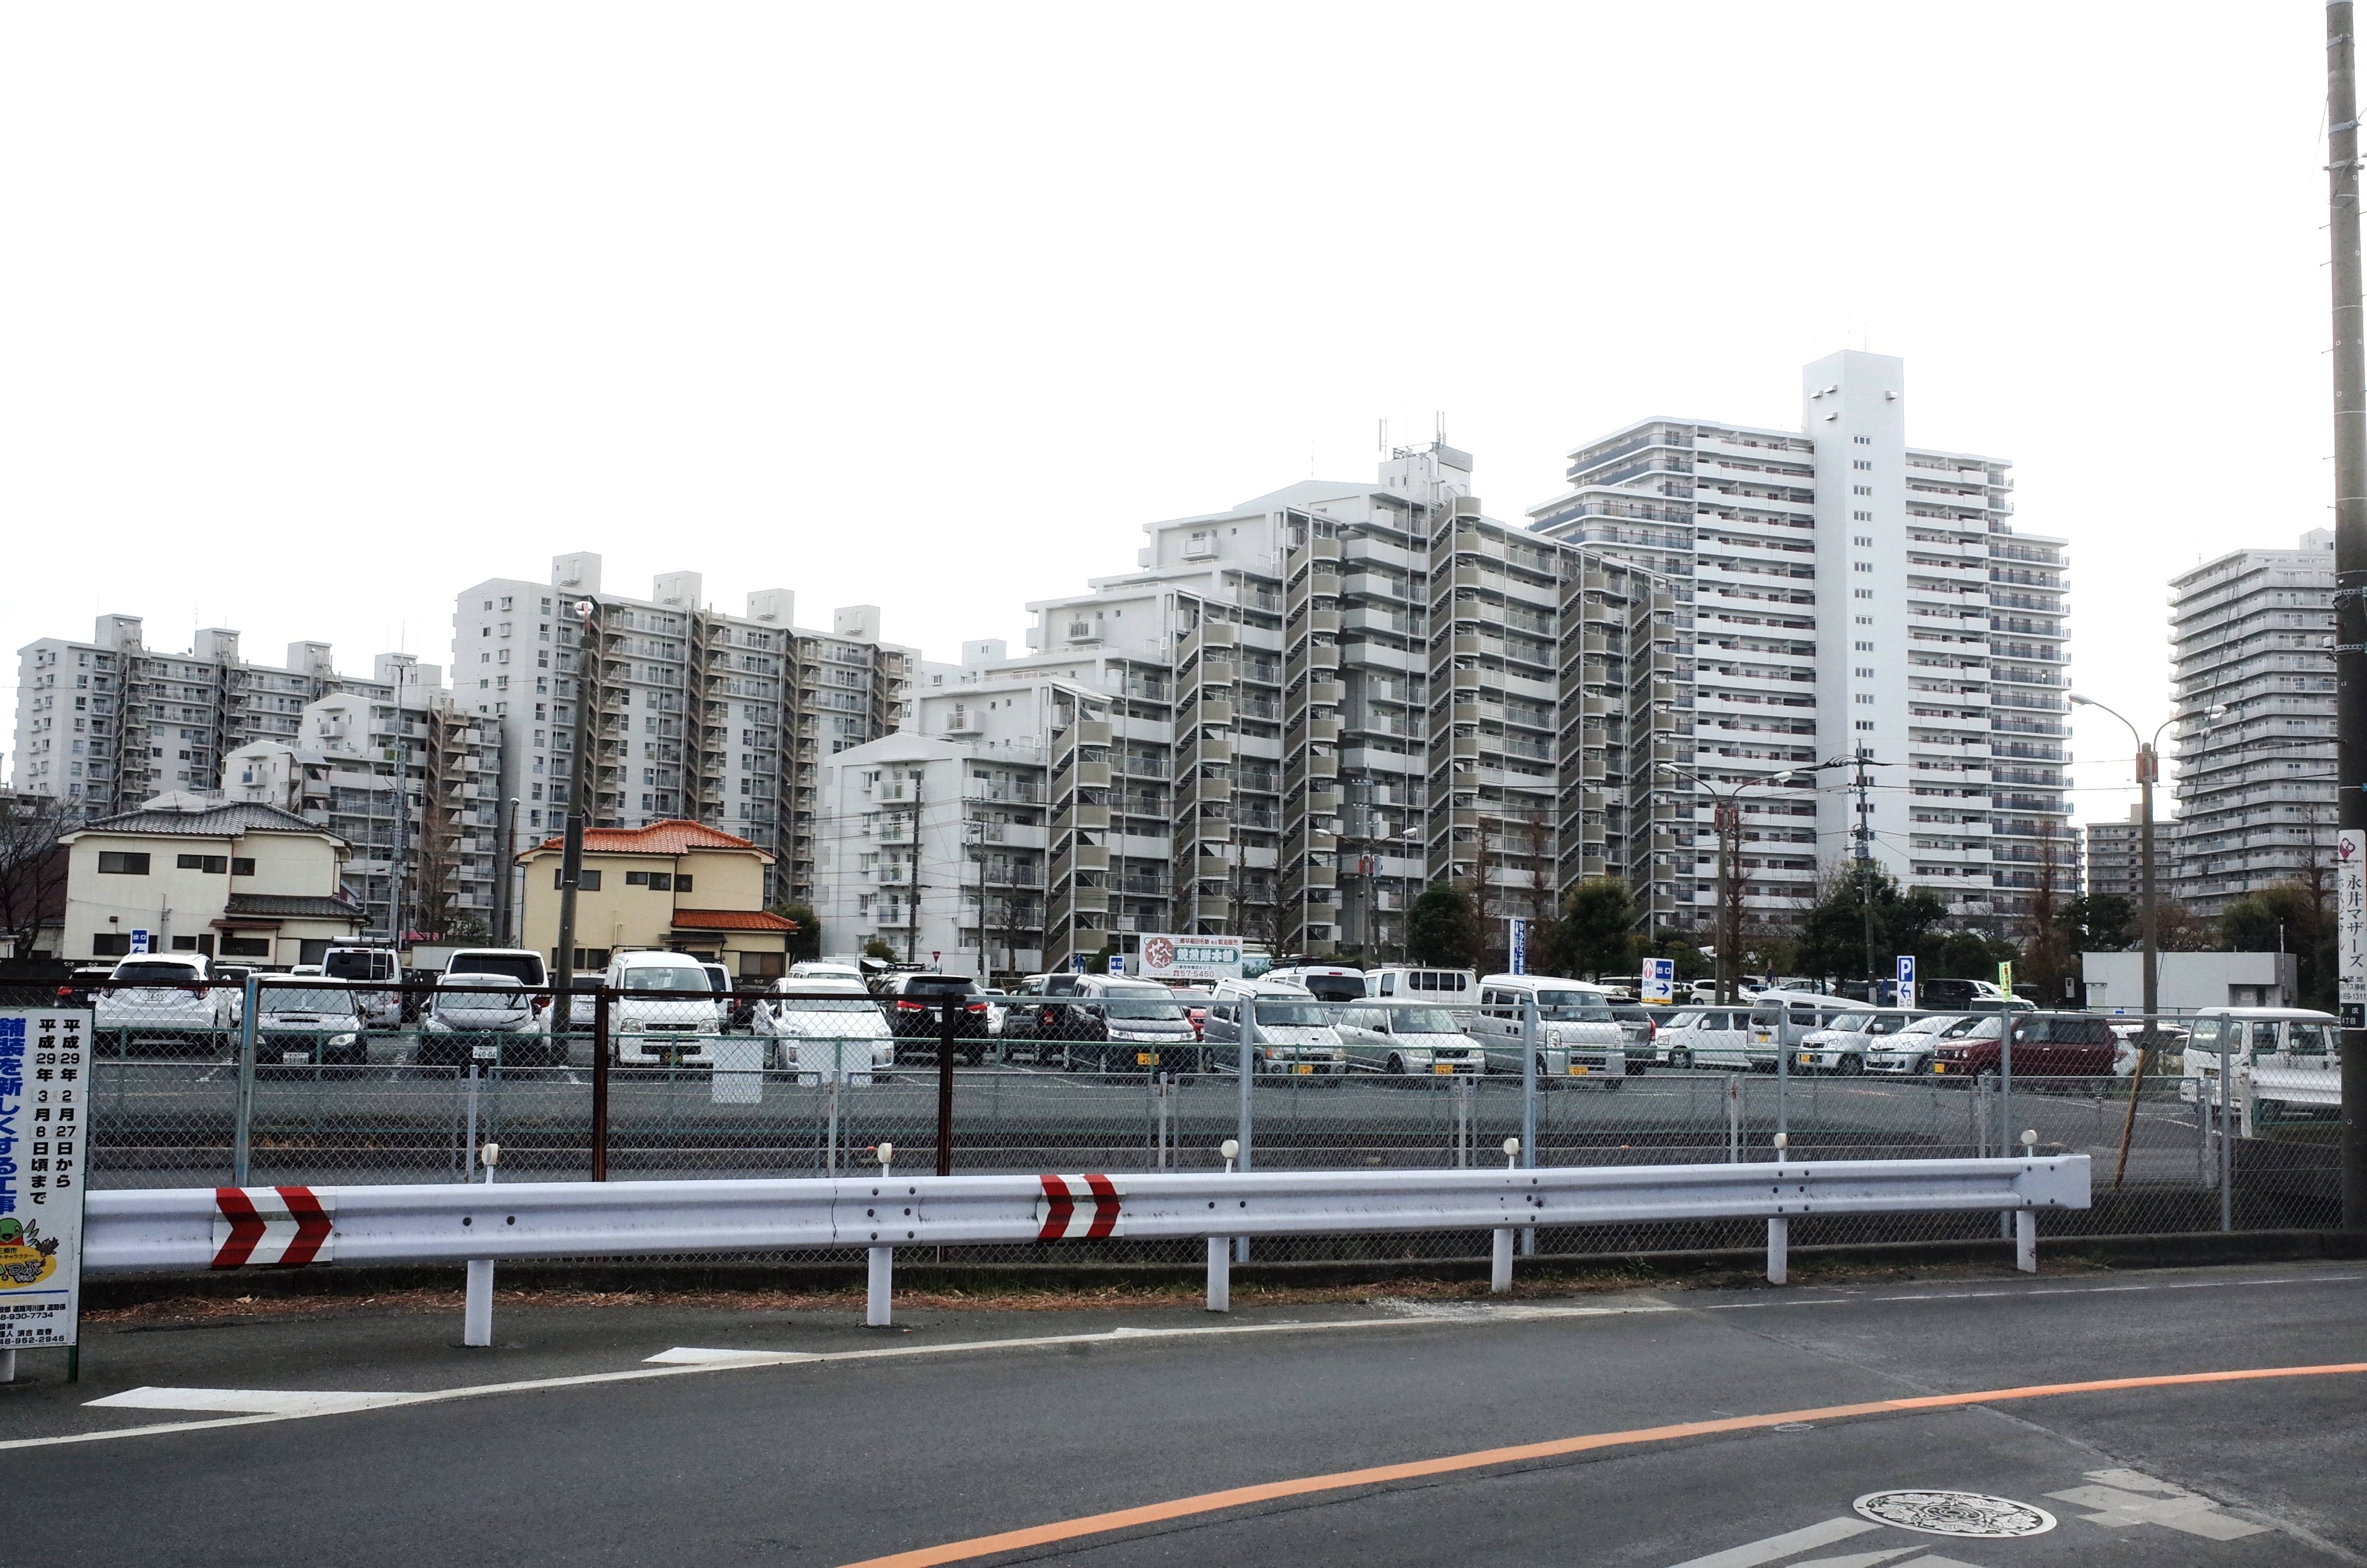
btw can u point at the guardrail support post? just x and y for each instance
(8, 1366)
(880, 1288)
(946, 1085)
(1499, 1266)
(242, 1135)
(1779, 1250)
(477, 1316)
(1220, 1273)
(2026, 1241)
(1532, 1042)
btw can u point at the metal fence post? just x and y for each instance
(599, 1079)
(947, 1015)
(1532, 1038)
(2227, 1141)
(1733, 1118)
(1241, 1134)
(242, 1145)
(2005, 1106)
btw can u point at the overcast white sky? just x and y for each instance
(311, 315)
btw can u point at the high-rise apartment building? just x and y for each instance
(1843, 597)
(105, 725)
(698, 715)
(1302, 710)
(2117, 855)
(411, 781)
(2252, 645)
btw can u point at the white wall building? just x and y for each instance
(106, 724)
(2252, 631)
(1847, 593)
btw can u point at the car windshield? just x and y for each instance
(1291, 1015)
(1986, 1030)
(274, 1000)
(1148, 1008)
(360, 966)
(1684, 1020)
(959, 985)
(1335, 988)
(1929, 1025)
(667, 978)
(1569, 1007)
(179, 973)
(480, 982)
(522, 967)
(1424, 1021)
(830, 1004)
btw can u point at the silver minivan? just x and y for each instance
(1577, 1035)
(1705, 1037)
(1407, 1037)
(1842, 1045)
(1294, 1031)
(1781, 1020)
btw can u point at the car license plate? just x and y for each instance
(1444, 1067)
(1145, 1058)
(291, 1057)
(1576, 1071)
(487, 1053)
(1304, 1067)
(1939, 1067)
(1805, 1059)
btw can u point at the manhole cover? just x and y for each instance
(1955, 1513)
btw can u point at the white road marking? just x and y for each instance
(250, 1400)
(2036, 1291)
(2130, 1497)
(1857, 1559)
(685, 1360)
(1752, 1553)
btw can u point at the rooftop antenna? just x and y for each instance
(1441, 436)
(1385, 439)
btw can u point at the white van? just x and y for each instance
(662, 1011)
(1294, 1031)
(1577, 1035)
(1457, 990)
(1705, 1037)
(1324, 982)
(2294, 1055)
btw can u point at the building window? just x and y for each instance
(656, 881)
(111, 944)
(1864, 593)
(681, 883)
(242, 865)
(1863, 440)
(1862, 566)
(1866, 724)
(591, 883)
(214, 865)
(117, 862)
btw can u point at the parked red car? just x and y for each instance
(2046, 1044)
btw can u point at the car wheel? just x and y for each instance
(1851, 1064)
(1397, 1065)
(1987, 1075)
(1681, 1058)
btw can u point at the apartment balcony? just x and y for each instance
(1089, 818)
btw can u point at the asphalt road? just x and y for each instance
(898, 1442)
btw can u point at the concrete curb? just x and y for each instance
(1738, 1264)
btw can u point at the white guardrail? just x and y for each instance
(168, 1228)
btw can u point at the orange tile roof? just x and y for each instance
(732, 920)
(672, 838)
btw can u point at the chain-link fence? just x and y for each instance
(660, 1074)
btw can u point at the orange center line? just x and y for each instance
(1305, 1485)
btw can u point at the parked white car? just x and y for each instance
(1407, 1037)
(165, 998)
(829, 1026)
(380, 1008)
(1908, 1053)
(1705, 1037)
(664, 1011)
(320, 1023)
(825, 969)
(1841, 1045)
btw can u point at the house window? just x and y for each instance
(246, 947)
(214, 865)
(117, 862)
(591, 883)
(111, 944)
(655, 881)
(681, 883)
(242, 865)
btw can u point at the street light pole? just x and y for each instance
(1726, 819)
(2350, 581)
(2148, 769)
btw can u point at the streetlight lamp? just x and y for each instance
(1725, 819)
(2148, 769)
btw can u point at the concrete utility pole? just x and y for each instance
(2349, 582)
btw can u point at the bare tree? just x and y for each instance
(32, 867)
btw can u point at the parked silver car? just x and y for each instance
(1407, 1037)
(310, 1024)
(489, 1018)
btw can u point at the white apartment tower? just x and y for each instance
(2252, 634)
(700, 715)
(1846, 598)
(105, 725)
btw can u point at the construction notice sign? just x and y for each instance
(44, 1148)
(1191, 958)
(2350, 925)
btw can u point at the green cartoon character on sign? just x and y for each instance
(26, 1256)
